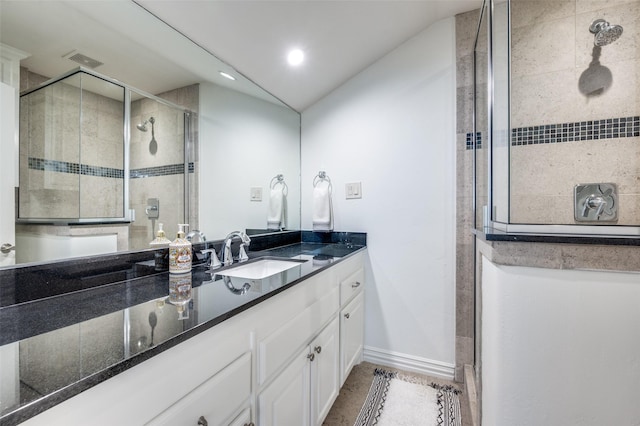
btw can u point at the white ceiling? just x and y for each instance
(340, 38)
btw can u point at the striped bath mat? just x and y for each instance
(400, 400)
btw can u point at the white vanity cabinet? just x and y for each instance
(298, 353)
(280, 362)
(350, 275)
(302, 394)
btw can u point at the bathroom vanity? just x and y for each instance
(201, 348)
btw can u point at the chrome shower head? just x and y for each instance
(605, 33)
(143, 126)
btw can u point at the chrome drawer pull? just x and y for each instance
(356, 284)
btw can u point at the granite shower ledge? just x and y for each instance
(604, 240)
(80, 307)
(559, 253)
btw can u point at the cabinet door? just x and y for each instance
(286, 400)
(351, 335)
(325, 372)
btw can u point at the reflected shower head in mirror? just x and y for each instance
(605, 33)
(143, 126)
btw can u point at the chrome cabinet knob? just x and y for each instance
(202, 421)
(356, 284)
(346, 315)
(311, 356)
(318, 349)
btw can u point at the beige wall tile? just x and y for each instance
(530, 12)
(543, 47)
(466, 27)
(544, 99)
(591, 5)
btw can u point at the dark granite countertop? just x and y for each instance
(72, 331)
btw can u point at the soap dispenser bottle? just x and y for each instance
(161, 257)
(180, 252)
(161, 240)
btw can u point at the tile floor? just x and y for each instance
(352, 395)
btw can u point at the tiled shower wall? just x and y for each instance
(574, 108)
(466, 25)
(542, 87)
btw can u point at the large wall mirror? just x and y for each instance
(183, 142)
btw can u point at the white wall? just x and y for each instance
(244, 143)
(392, 127)
(560, 347)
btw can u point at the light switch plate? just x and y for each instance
(256, 193)
(353, 190)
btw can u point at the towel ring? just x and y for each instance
(320, 177)
(279, 180)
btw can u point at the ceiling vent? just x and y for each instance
(83, 60)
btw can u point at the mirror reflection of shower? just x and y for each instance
(153, 145)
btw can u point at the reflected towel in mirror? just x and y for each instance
(322, 207)
(277, 208)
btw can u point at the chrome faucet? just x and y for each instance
(225, 253)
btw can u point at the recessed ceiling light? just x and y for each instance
(295, 57)
(229, 76)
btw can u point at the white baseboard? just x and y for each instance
(406, 362)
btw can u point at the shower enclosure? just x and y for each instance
(86, 159)
(557, 118)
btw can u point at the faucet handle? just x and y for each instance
(225, 255)
(213, 262)
(242, 254)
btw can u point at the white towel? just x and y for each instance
(277, 208)
(322, 207)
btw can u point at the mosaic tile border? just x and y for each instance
(624, 127)
(74, 168)
(609, 128)
(169, 169)
(84, 169)
(469, 141)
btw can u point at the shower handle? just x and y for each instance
(153, 208)
(594, 202)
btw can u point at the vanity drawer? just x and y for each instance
(217, 399)
(351, 285)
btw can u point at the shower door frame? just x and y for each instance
(490, 224)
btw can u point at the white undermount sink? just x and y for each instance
(260, 269)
